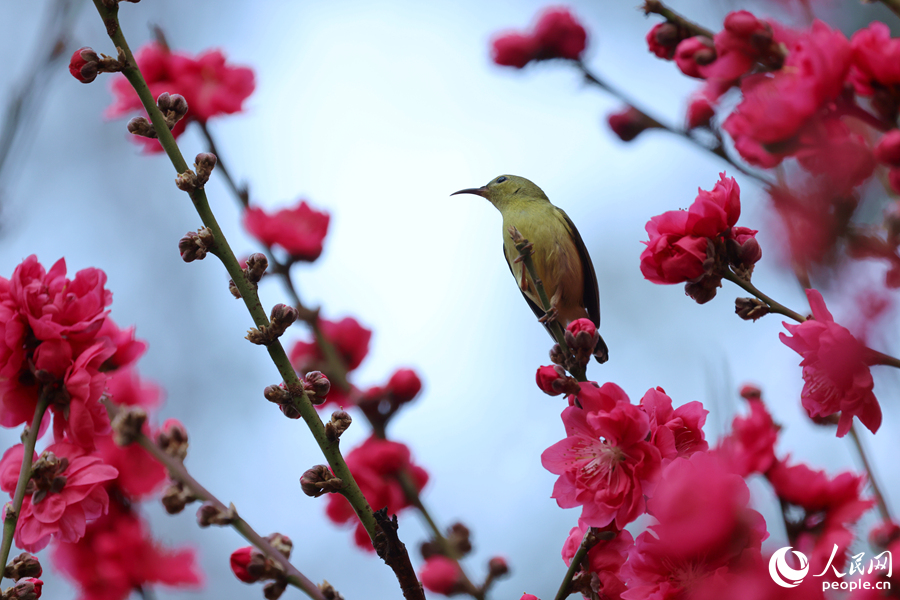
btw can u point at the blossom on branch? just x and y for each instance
(835, 372)
(557, 34)
(300, 231)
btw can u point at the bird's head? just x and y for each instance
(505, 189)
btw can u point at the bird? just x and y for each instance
(560, 257)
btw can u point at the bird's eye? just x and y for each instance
(501, 179)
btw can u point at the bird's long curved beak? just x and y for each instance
(482, 191)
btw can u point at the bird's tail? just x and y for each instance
(601, 352)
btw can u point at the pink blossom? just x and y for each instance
(117, 556)
(375, 465)
(349, 338)
(675, 432)
(605, 463)
(604, 559)
(829, 506)
(404, 385)
(750, 447)
(441, 575)
(658, 41)
(876, 59)
(557, 34)
(51, 508)
(697, 536)
(83, 417)
(300, 230)
(672, 255)
(128, 349)
(835, 372)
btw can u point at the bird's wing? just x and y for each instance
(538, 312)
(591, 291)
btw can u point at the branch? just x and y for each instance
(657, 7)
(179, 472)
(879, 497)
(774, 307)
(591, 538)
(248, 292)
(894, 5)
(12, 512)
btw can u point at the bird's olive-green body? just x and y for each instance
(560, 256)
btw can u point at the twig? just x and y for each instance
(591, 538)
(179, 472)
(774, 307)
(718, 150)
(12, 513)
(657, 7)
(248, 292)
(894, 5)
(879, 497)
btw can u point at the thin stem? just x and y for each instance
(880, 358)
(657, 7)
(718, 150)
(591, 538)
(774, 307)
(879, 497)
(248, 292)
(179, 472)
(12, 513)
(336, 369)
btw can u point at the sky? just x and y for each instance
(376, 112)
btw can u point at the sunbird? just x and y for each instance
(560, 257)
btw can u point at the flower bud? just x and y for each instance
(743, 249)
(173, 439)
(441, 575)
(750, 309)
(142, 127)
(751, 392)
(127, 424)
(663, 39)
(329, 592)
(290, 411)
(888, 149)
(703, 289)
(319, 480)
(693, 53)
(176, 497)
(404, 385)
(173, 106)
(28, 588)
(191, 248)
(203, 165)
(24, 565)
(553, 381)
(277, 393)
(248, 564)
(317, 386)
(281, 542)
(234, 289)
(281, 317)
(742, 23)
(497, 567)
(630, 123)
(339, 423)
(274, 589)
(257, 263)
(460, 539)
(210, 514)
(84, 65)
(557, 356)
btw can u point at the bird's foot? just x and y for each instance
(550, 316)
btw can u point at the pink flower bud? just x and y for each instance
(240, 564)
(84, 65)
(441, 575)
(498, 567)
(28, 588)
(553, 380)
(513, 50)
(663, 39)
(579, 325)
(742, 23)
(751, 392)
(629, 123)
(529, 597)
(404, 385)
(888, 149)
(694, 53)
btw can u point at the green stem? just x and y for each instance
(12, 513)
(880, 358)
(336, 369)
(591, 538)
(774, 307)
(556, 329)
(179, 472)
(879, 497)
(248, 292)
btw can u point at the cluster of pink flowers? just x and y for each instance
(376, 465)
(300, 231)
(60, 346)
(210, 85)
(696, 245)
(557, 34)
